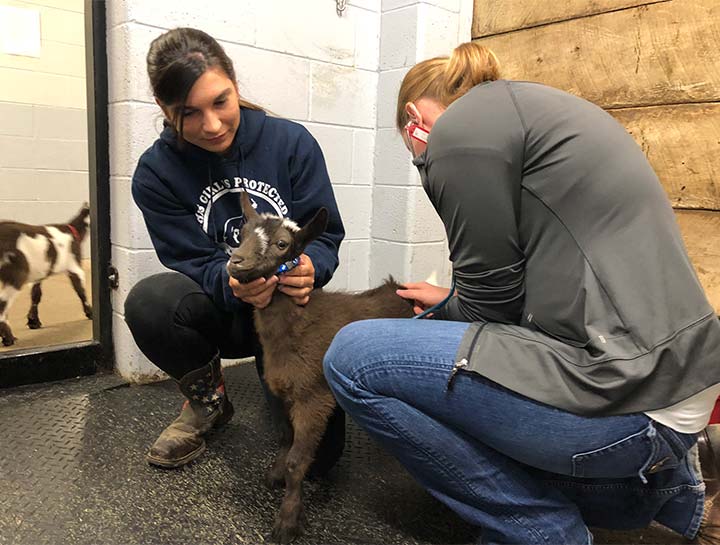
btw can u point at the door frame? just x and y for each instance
(85, 358)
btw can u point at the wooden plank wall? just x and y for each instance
(654, 66)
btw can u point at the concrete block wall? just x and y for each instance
(303, 62)
(407, 239)
(300, 61)
(43, 120)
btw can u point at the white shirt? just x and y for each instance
(690, 415)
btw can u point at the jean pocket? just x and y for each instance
(639, 454)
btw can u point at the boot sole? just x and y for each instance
(224, 418)
(172, 464)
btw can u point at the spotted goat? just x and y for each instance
(294, 341)
(31, 253)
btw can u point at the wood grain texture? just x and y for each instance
(664, 53)
(495, 16)
(683, 145)
(701, 232)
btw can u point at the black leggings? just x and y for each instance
(178, 328)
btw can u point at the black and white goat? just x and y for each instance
(294, 340)
(31, 253)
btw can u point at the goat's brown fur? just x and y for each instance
(294, 341)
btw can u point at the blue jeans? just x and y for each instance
(525, 472)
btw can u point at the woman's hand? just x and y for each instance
(258, 292)
(423, 295)
(299, 282)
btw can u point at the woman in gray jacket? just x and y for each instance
(565, 381)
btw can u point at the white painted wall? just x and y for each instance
(338, 76)
(43, 119)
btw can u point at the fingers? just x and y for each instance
(415, 285)
(293, 292)
(304, 268)
(301, 278)
(408, 294)
(419, 310)
(257, 293)
(302, 301)
(296, 281)
(262, 299)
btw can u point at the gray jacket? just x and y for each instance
(567, 255)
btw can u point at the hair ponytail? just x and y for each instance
(469, 65)
(446, 79)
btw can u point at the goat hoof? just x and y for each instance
(89, 313)
(34, 323)
(9, 341)
(284, 533)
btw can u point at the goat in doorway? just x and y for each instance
(294, 341)
(31, 253)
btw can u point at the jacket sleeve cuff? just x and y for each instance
(319, 257)
(231, 302)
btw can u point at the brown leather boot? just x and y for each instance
(709, 451)
(207, 407)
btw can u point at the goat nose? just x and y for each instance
(236, 259)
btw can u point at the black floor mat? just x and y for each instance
(73, 471)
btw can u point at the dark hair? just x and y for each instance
(175, 61)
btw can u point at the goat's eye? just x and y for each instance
(282, 244)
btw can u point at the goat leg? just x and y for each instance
(33, 320)
(77, 277)
(309, 420)
(8, 339)
(275, 477)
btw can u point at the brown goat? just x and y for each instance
(294, 341)
(31, 253)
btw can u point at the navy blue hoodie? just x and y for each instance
(190, 198)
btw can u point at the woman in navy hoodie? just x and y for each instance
(187, 184)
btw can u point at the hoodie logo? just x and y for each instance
(265, 198)
(231, 230)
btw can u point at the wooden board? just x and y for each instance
(664, 53)
(701, 232)
(683, 145)
(496, 16)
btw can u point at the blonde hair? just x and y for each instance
(446, 79)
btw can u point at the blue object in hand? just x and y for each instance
(288, 265)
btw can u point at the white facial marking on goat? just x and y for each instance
(290, 225)
(263, 238)
(35, 250)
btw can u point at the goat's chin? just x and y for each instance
(245, 276)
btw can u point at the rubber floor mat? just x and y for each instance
(73, 471)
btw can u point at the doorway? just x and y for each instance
(53, 167)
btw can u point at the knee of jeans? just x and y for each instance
(343, 351)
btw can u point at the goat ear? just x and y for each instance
(247, 208)
(312, 229)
